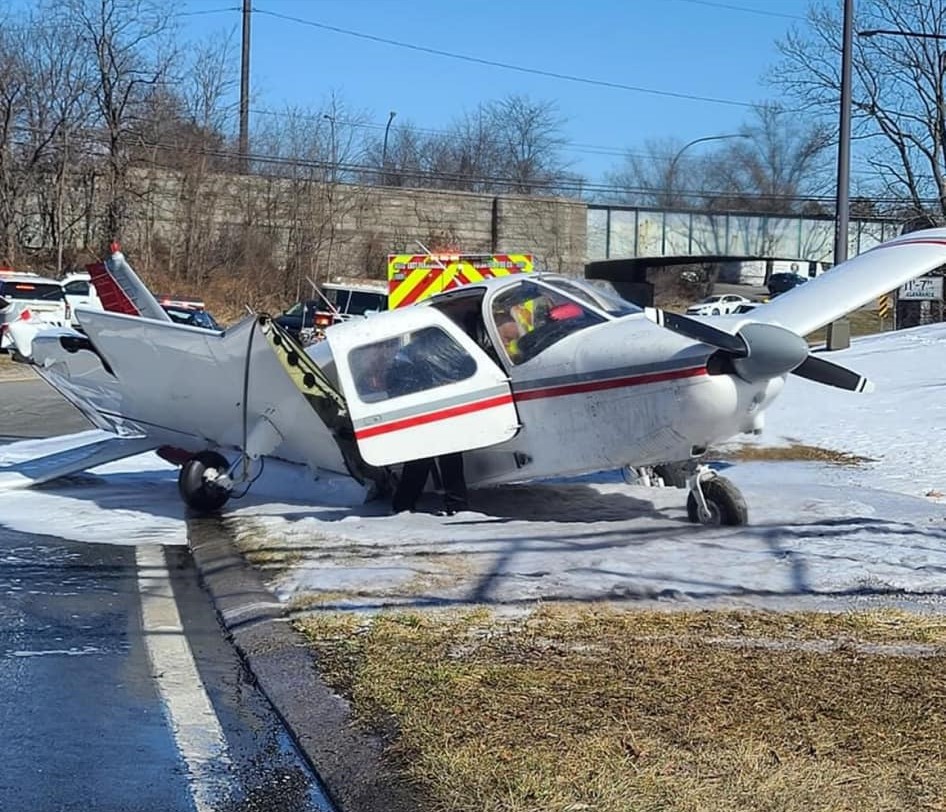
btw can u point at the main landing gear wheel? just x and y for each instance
(203, 482)
(723, 504)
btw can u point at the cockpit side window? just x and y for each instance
(414, 362)
(529, 318)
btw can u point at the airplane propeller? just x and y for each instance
(759, 351)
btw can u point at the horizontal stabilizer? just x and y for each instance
(26, 463)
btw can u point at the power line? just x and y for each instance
(204, 11)
(553, 186)
(505, 65)
(745, 9)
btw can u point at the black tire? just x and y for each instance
(197, 493)
(715, 312)
(725, 502)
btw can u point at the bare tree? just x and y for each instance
(405, 160)
(127, 47)
(57, 111)
(14, 82)
(531, 142)
(184, 131)
(510, 145)
(655, 176)
(41, 88)
(899, 93)
(771, 164)
(780, 161)
(312, 156)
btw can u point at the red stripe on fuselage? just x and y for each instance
(532, 394)
(611, 383)
(431, 417)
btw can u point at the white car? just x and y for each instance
(24, 291)
(80, 292)
(717, 305)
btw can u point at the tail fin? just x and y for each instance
(121, 290)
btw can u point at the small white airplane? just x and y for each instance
(532, 376)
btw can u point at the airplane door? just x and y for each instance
(418, 386)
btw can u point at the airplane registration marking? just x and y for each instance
(609, 383)
(432, 417)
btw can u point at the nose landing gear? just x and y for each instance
(204, 482)
(714, 500)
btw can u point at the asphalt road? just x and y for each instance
(118, 689)
(29, 407)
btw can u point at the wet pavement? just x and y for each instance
(84, 724)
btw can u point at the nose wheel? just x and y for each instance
(204, 482)
(714, 500)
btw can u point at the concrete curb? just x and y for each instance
(347, 760)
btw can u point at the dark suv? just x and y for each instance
(782, 282)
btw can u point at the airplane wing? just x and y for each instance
(769, 341)
(854, 283)
(32, 462)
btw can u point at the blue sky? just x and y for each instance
(719, 50)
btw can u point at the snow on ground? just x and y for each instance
(818, 532)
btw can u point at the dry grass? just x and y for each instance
(255, 542)
(864, 322)
(796, 452)
(583, 708)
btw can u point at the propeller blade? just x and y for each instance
(827, 372)
(701, 331)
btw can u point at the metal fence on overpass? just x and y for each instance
(625, 231)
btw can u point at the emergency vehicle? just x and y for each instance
(415, 277)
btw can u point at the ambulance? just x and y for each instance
(415, 277)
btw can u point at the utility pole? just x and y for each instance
(245, 90)
(839, 332)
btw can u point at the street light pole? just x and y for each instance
(384, 149)
(331, 121)
(671, 172)
(839, 333)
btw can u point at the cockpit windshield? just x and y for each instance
(530, 316)
(604, 298)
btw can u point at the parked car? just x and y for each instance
(80, 292)
(43, 297)
(717, 305)
(192, 316)
(782, 282)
